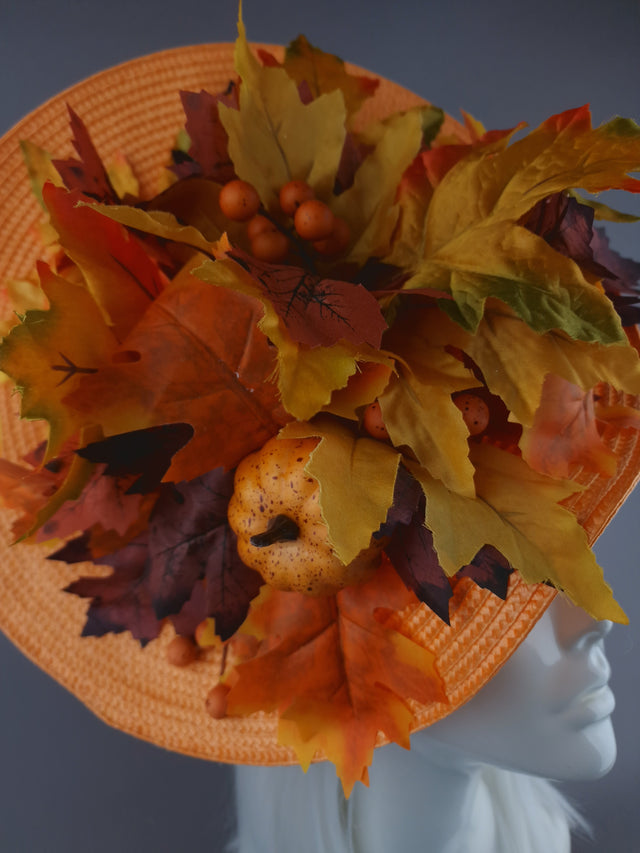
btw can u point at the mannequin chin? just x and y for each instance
(547, 712)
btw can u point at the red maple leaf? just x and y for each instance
(317, 311)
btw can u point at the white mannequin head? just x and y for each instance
(547, 711)
(475, 777)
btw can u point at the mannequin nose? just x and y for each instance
(574, 628)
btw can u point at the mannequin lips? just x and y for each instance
(595, 702)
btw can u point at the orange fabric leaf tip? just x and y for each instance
(339, 672)
(565, 433)
(122, 277)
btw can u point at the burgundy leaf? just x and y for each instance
(209, 140)
(87, 174)
(622, 284)
(190, 539)
(407, 494)
(122, 600)
(353, 153)
(414, 558)
(490, 570)
(145, 452)
(317, 311)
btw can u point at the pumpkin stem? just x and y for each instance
(280, 529)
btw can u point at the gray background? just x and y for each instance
(68, 783)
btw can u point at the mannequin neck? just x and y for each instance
(414, 804)
(436, 798)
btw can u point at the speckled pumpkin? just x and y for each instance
(275, 513)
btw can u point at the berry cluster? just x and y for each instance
(271, 241)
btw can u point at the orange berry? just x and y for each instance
(181, 651)
(337, 241)
(313, 220)
(270, 246)
(216, 701)
(258, 225)
(475, 412)
(238, 200)
(373, 423)
(293, 194)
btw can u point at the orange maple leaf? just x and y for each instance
(196, 357)
(565, 432)
(337, 672)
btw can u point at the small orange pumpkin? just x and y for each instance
(275, 513)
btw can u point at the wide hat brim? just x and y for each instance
(135, 108)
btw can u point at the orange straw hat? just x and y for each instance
(421, 285)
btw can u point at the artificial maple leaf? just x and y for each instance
(274, 137)
(418, 182)
(518, 512)
(490, 570)
(514, 360)
(49, 353)
(88, 174)
(122, 277)
(369, 204)
(564, 434)
(200, 360)
(415, 560)
(622, 282)
(357, 478)
(190, 539)
(324, 73)
(207, 135)
(474, 247)
(307, 376)
(184, 564)
(336, 672)
(104, 501)
(317, 311)
(145, 453)
(417, 408)
(39, 167)
(120, 601)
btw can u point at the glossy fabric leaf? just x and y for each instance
(324, 73)
(317, 311)
(184, 363)
(275, 138)
(87, 174)
(190, 539)
(122, 277)
(357, 479)
(564, 435)
(307, 376)
(514, 360)
(369, 205)
(517, 511)
(337, 672)
(415, 560)
(490, 570)
(207, 135)
(120, 601)
(144, 453)
(50, 352)
(474, 247)
(417, 407)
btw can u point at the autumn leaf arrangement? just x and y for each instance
(333, 372)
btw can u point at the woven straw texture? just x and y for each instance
(135, 108)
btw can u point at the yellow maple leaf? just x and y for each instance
(517, 510)
(417, 407)
(275, 138)
(474, 247)
(356, 476)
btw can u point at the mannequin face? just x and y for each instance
(547, 711)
